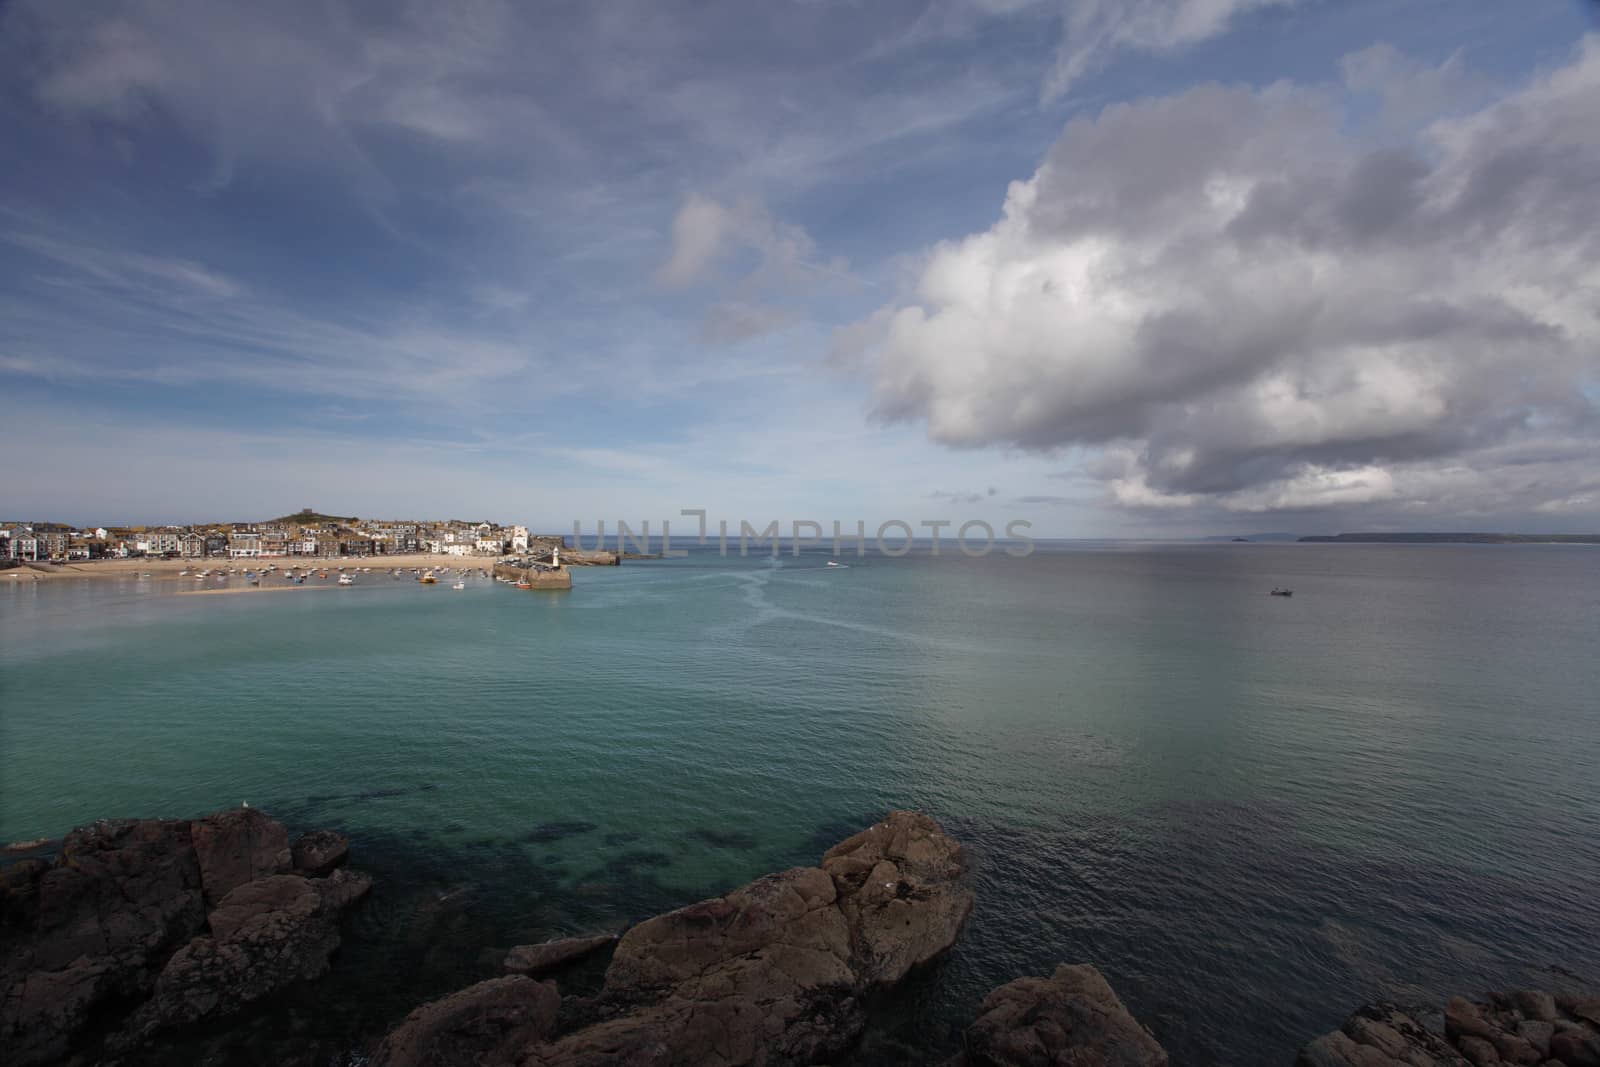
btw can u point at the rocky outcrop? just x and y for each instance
(235, 847)
(1529, 1027)
(172, 919)
(774, 972)
(551, 955)
(319, 852)
(486, 1023)
(265, 935)
(1071, 1019)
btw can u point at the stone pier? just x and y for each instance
(545, 578)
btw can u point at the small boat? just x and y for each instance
(345, 579)
(428, 579)
(524, 584)
(459, 585)
(254, 580)
(1282, 592)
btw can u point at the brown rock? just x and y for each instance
(1535, 1004)
(1070, 1018)
(1479, 1051)
(1462, 1017)
(485, 1024)
(539, 959)
(774, 971)
(238, 846)
(1586, 1007)
(1576, 1048)
(90, 927)
(1515, 1049)
(899, 886)
(318, 852)
(1538, 1034)
(265, 935)
(1383, 1035)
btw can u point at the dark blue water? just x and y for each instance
(1252, 813)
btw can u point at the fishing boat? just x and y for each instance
(524, 584)
(345, 579)
(428, 579)
(1282, 592)
(459, 585)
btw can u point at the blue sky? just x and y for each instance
(1119, 269)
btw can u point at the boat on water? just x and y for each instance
(345, 579)
(459, 585)
(1281, 592)
(428, 579)
(524, 584)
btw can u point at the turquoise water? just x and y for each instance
(1252, 813)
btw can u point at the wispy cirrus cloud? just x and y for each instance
(1095, 32)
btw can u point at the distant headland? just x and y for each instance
(1456, 539)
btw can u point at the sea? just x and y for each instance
(1251, 813)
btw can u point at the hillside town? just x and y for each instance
(308, 534)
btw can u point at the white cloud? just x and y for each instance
(702, 231)
(1250, 308)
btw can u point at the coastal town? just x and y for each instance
(306, 535)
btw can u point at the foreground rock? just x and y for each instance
(542, 959)
(1528, 1027)
(485, 1023)
(774, 972)
(156, 922)
(1071, 1018)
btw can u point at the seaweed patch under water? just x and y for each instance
(546, 832)
(734, 839)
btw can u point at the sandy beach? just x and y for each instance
(170, 569)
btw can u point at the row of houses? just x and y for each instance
(53, 541)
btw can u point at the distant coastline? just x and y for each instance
(1455, 539)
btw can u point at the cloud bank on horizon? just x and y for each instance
(1163, 266)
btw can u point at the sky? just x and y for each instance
(1115, 268)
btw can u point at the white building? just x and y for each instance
(519, 539)
(159, 544)
(244, 545)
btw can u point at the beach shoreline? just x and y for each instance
(169, 569)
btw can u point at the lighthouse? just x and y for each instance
(555, 556)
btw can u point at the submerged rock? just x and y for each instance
(1071, 1018)
(1527, 1027)
(773, 972)
(119, 922)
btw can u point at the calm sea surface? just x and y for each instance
(1252, 813)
